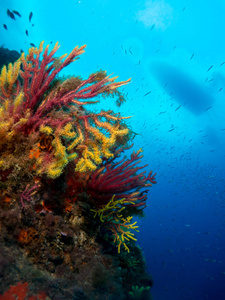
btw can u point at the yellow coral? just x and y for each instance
(18, 100)
(46, 129)
(13, 72)
(96, 152)
(124, 233)
(60, 150)
(85, 163)
(79, 139)
(107, 142)
(67, 131)
(61, 156)
(110, 214)
(56, 167)
(9, 77)
(93, 149)
(3, 76)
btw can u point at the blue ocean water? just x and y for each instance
(174, 52)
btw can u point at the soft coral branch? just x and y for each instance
(27, 193)
(122, 180)
(38, 75)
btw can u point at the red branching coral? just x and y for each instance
(37, 76)
(27, 193)
(122, 180)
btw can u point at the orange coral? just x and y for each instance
(27, 236)
(34, 153)
(20, 291)
(7, 199)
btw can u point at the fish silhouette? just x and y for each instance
(10, 14)
(30, 16)
(17, 13)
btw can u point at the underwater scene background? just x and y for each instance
(67, 192)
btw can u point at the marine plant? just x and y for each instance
(63, 185)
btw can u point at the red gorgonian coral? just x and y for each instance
(122, 180)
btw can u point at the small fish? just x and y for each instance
(32, 45)
(210, 68)
(220, 89)
(21, 51)
(222, 64)
(30, 16)
(152, 26)
(147, 93)
(192, 56)
(171, 130)
(208, 108)
(26, 32)
(10, 14)
(162, 112)
(135, 133)
(178, 108)
(5, 26)
(125, 51)
(130, 52)
(17, 13)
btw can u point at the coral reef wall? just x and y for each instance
(67, 198)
